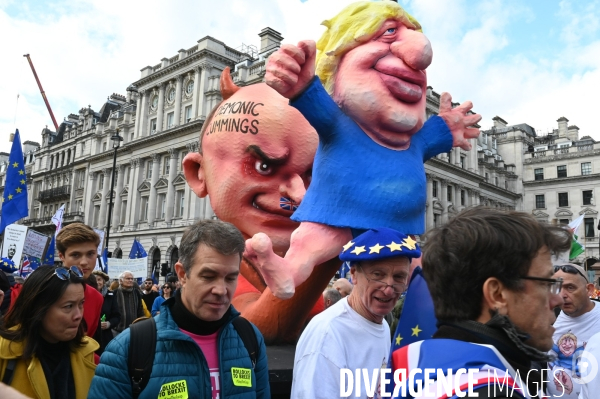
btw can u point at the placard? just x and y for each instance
(101, 245)
(35, 244)
(14, 238)
(138, 267)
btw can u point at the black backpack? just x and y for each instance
(143, 336)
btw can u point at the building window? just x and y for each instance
(170, 119)
(182, 155)
(561, 171)
(506, 184)
(123, 211)
(484, 138)
(160, 214)
(496, 180)
(462, 197)
(96, 214)
(127, 172)
(487, 177)
(588, 195)
(436, 220)
(153, 126)
(462, 161)
(564, 221)
(539, 174)
(586, 168)
(171, 95)
(190, 87)
(104, 146)
(589, 227)
(166, 165)
(101, 181)
(180, 201)
(494, 143)
(450, 157)
(540, 201)
(144, 209)
(188, 114)
(449, 196)
(434, 189)
(149, 170)
(79, 205)
(563, 199)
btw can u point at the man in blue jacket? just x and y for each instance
(199, 352)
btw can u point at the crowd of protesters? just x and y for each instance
(492, 277)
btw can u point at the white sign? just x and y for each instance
(35, 243)
(14, 238)
(101, 245)
(138, 267)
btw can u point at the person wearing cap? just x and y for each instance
(577, 322)
(110, 313)
(352, 334)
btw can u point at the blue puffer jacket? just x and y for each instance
(178, 358)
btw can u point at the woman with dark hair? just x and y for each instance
(167, 292)
(110, 314)
(44, 352)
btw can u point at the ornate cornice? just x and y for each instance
(564, 180)
(559, 157)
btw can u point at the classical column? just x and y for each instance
(104, 202)
(160, 111)
(142, 123)
(177, 116)
(88, 195)
(72, 183)
(171, 190)
(196, 96)
(206, 68)
(444, 200)
(133, 199)
(138, 113)
(429, 210)
(153, 180)
(117, 199)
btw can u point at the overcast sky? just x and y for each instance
(527, 62)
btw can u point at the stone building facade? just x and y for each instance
(159, 120)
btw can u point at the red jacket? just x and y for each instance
(92, 307)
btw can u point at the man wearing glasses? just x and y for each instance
(352, 334)
(492, 282)
(578, 321)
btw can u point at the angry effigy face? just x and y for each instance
(256, 163)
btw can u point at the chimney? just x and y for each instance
(573, 133)
(269, 39)
(562, 126)
(499, 122)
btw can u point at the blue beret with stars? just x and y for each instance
(380, 243)
(7, 265)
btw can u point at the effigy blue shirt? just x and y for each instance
(358, 183)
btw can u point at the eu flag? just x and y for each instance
(14, 199)
(417, 321)
(49, 258)
(137, 251)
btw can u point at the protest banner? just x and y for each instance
(138, 267)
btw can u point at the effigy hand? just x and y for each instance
(459, 121)
(291, 68)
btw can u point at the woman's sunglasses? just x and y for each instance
(63, 272)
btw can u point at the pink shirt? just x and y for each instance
(208, 345)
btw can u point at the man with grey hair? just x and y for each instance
(202, 344)
(129, 299)
(331, 296)
(577, 322)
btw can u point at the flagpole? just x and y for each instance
(116, 144)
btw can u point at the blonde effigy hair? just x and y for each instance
(353, 26)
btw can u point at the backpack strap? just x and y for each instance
(9, 371)
(248, 336)
(142, 347)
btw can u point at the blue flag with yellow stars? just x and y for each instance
(137, 251)
(417, 321)
(49, 258)
(14, 199)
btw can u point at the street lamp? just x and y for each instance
(116, 144)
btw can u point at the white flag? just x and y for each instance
(574, 225)
(57, 219)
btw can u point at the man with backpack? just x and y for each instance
(198, 346)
